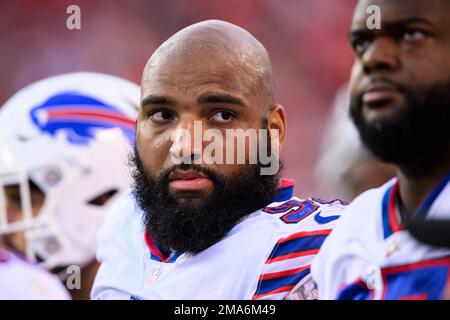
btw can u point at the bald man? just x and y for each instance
(201, 224)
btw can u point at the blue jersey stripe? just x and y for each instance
(387, 231)
(298, 245)
(269, 285)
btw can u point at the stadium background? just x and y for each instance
(306, 40)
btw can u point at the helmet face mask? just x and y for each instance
(67, 169)
(21, 205)
(15, 194)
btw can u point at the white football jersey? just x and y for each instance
(370, 256)
(264, 256)
(21, 280)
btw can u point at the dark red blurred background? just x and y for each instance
(305, 38)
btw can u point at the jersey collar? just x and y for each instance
(285, 190)
(155, 253)
(391, 221)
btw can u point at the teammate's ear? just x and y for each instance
(276, 119)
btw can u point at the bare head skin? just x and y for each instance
(212, 46)
(213, 72)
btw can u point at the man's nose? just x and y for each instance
(381, 56)
(187, 141)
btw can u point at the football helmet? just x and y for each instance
(69, 136)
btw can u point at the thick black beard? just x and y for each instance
(422, 128)
(193, 228)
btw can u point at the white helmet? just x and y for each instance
(69, 135)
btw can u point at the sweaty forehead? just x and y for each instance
(435, 11)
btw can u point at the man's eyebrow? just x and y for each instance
(220, 98)
(402, 22)
(160, 100)
(356, 33)
(390, 25)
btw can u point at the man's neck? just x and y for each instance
(419, 177)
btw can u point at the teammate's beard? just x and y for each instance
(184, 227)
(424, 126)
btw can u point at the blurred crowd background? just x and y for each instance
(306, 40)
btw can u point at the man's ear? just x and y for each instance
(276, 119)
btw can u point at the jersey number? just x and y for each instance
(295, 211)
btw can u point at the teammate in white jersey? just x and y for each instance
(202, 229)
(400, 103)
(63, 145)
(263, 257)
(22, 280)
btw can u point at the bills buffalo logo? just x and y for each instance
(79, 117)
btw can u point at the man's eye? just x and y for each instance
(161, 116)
(222, 116)
(414, 35)
(361, 45)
